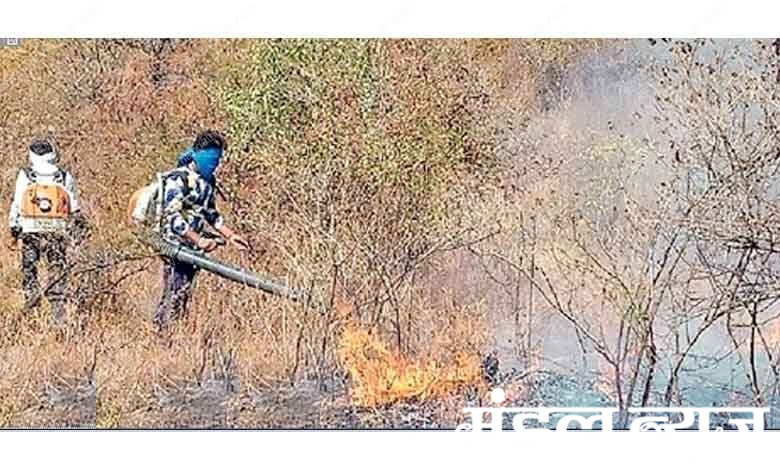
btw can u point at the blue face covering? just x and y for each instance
(206, 161)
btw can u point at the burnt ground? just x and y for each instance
(222, 402)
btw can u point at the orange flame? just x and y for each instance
(381, 376)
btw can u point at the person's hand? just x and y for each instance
(207, 244)
(16, 238)
(239, 241)
(81, 229)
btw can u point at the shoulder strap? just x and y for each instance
(160, 180)
(158, 201)
(29, 173)
(219, 191)
(61, 176)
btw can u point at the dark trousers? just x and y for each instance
(52, 247)
(177, 280)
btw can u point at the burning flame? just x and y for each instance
(381, 376)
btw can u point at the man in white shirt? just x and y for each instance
(45, 209)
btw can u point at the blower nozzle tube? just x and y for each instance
(226, 270)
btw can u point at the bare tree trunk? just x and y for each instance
(653, 358)
(529, 341)
(753, 370)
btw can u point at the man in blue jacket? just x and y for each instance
(188, 204)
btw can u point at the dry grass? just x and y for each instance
(235, 347)
(325, 137)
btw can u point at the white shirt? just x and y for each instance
(45, 171)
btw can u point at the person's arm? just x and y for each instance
(80, 226)
(234, 238)
(13, 214)
(173, 203)
(214, 219)
(205, 244)
(73, 193)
